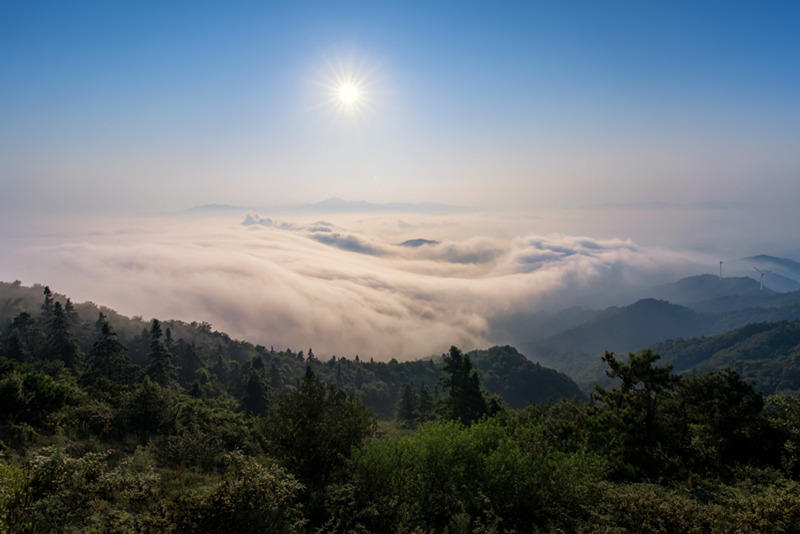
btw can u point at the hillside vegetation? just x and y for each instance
(217, 364)
(767, 353)
(95, 441)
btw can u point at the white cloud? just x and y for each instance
(356, 292)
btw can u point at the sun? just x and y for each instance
(351, 90)
(348, 93)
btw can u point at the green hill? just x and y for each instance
(518, 380)
(220, 364)
(768, 353)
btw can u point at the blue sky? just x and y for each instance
(143, 105)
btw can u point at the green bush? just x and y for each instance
(769, 505)
(486, 471)
(251, 498)
(60, 493)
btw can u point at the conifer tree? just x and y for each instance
(465, 402)
(61, 345)
(47, 306)
(72, 315)
(187, 357)
(107, 358)
(405, 410)
(161, 368)
(255, 400)
(22, 338)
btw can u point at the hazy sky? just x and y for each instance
(145, 106)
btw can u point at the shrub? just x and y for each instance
(251, 498)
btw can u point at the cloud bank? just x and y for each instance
(343, 287)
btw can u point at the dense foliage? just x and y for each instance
(768, 353)
(93, 440)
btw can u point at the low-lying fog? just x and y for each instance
(381, 284)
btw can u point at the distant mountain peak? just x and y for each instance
(339, 205)
(780, 274)
(784, 263)
(703, 287)
(418, 242)
(218, 207)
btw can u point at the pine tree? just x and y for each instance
(107, 358)
(187, 358)
(72, 315)
(161, 368)
(405, 410)
(22, 338)
(255, 400)
(465, 402)
(47, 306)
(61, 345)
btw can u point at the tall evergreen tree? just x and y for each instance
(161, 368)
(405, 410)
(47, 306)
(22, 338)
(72, 314)
(313, 429)
(628, 414)
(107, 358)
(187, 357)
(465, 401)
(255, 400)
(61, 344)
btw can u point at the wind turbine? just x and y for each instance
(720, 269)
(762, 273)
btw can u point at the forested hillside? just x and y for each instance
(258, 440)
(217, 365)
(768, 353)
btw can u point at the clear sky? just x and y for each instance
(140, 105)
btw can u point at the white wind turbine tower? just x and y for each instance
(762, 273)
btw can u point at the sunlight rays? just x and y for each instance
(350, 88)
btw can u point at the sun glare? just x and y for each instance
(348, 94)
(350, 91)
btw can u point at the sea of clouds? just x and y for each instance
(342, 284)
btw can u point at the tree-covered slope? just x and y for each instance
(768, 353)
(217, 364)
(91, 442)
(519, 381)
